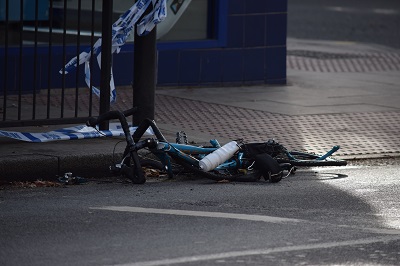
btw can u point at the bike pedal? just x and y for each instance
(286, 166)
(115, 169)
(181, 137)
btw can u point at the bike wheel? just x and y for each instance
(251, 176)
(134, 171)
(151, 164)
(132, 167)
(310, 160)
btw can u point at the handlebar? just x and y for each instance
(93, 121)
(329, 153)
(320, 158)
(134, 172)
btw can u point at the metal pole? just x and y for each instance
(106, 31)
(144, 77)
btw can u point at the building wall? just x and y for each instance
(250, 49)
(254, 50)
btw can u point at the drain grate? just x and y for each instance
(357, 133)
(322, 55)
(342, 62)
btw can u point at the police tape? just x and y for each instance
(121, 29)
(71, 133)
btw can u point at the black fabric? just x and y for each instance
(270, 147)
(269, 167)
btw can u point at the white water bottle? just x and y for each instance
(212, 160)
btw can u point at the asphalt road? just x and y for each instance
(341, 216)
(369, 21)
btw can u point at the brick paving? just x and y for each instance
(357, 133)
(371, 133)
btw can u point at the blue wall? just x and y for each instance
(250, 48)
(28, 10)
(254, 51)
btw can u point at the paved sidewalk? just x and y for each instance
(337, 93)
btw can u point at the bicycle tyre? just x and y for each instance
(255, 175)
(151, 164)
(137, 175)
(310, 160)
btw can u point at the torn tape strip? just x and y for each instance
(121, 29)
(70, 133)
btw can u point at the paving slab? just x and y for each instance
(344, 94)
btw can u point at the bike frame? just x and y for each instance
(191, 154)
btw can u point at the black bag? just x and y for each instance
(270, 147)
(269, 167)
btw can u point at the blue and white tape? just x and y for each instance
(76, 132)
(121, 29)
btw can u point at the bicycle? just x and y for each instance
(245, 162)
